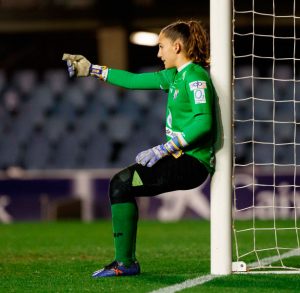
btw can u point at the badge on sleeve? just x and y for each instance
(199, 96)
(198, 84)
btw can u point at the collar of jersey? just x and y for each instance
(184, 66)
(184, 69)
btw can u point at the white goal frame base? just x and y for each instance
(268, 273)
(240, 267)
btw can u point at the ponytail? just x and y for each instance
(198, 44)
(194, 38)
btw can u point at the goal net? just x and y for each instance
(266, 139)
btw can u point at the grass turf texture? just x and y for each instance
(60, 257)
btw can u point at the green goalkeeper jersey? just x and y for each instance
(190, 109)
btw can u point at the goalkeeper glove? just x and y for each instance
(78, 65)
(151, 156)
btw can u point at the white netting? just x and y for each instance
(266, 75)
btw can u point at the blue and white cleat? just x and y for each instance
(118, 269)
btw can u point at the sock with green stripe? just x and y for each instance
(124, 220)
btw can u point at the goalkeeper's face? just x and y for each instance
(167, 51)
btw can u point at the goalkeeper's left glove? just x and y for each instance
(80, 66)
(151, 156)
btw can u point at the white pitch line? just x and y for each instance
(269, 260)
(186, 284)
(207, 278)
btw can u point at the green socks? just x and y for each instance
(124, 220)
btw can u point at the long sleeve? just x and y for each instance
(199, 130)
(149, 80)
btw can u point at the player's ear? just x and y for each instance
(177, 46)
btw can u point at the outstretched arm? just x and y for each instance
(130, 80)
(79, 66)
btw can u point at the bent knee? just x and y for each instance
(120, 187)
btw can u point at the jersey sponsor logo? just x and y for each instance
(199, 96)
(198, 84)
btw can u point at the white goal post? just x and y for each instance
(255, 191)
(221, 64)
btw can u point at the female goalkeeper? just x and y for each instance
(187, 157)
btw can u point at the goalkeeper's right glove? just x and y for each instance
(78, 65)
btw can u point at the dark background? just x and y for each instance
(35, 33)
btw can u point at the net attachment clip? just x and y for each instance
(239, 266)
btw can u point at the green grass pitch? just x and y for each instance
(60, 257)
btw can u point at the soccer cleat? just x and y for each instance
(118, 269)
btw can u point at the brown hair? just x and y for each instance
(194, 37)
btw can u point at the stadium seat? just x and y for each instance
(54, 129)
(10, 151)
(97, 152)
(119, 128)
(37, 152)
(25, 81)
(57, 79)
(67, 153)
